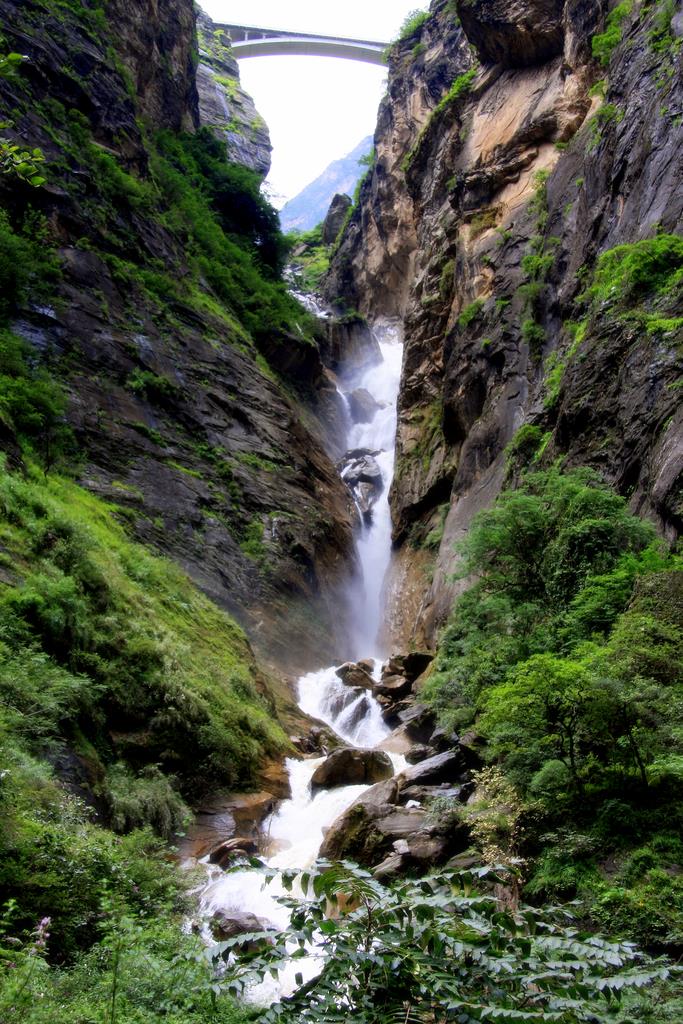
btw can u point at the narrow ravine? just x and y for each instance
(291, 837)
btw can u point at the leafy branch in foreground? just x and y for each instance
(14, 159)
(436, 949)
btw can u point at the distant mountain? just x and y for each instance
(307, 209)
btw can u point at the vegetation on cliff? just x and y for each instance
(567, 654)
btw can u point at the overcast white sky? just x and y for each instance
(317, 108)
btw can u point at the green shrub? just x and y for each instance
(650, 267)
(154, 388)
(32, 403)
(27, 265)
(412, 23)
(604, 44)
(161, 662)
(146, 799)
(524, 446)
(470, 313)
(438, 948)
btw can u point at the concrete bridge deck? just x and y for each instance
(252, 41)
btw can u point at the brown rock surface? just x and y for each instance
(458, 197)
(355, 674)
(350, 766)
(513, 32)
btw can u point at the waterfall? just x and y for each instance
(292, 836)
(378, 435)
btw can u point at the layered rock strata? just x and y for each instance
(207, 445)
(508, 161)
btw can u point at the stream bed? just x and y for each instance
(291, 836)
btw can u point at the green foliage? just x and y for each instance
(27, 265)
(604, 44)
(412, 23)
(606, 114)
(650, 267)
(568, 649)
(662, 40)
(162, 664)
(470, 313)
(156, 389)
(533, 334)
(15, 159)
(310, 258)
(22, 163)
(525, 447)
(32, 404)
(142, 969)
(439, 950)
(233, 236)
(556, 560)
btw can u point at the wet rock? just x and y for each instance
(363, 477)
(231, 850)
(418, 753)
(275, 780)
(514, 33)
(443, 739)
(229, 924)
(350, 766)
(471, 746)
(440, 768)
(464, 861)
(355, 674)
(425, 794)
(419, 722)
(409, 665)
(393, 687)
(319, 740)
(350, 346)
(362, 406)
(369, 830)
(336, 215)
(393, 866)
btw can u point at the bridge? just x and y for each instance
(251, 41)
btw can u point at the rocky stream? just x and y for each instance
(373, 758)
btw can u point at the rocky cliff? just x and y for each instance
(193, 379)
(519, 147)
(223, 103)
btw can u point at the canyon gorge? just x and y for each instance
(345, 565)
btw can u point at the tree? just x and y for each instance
(435, 950)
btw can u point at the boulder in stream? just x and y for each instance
(363, 477)
(350, 766)
(362, 406)
(229, 924)
(383, 816)
(231, 850)
(393, 686)
(355, 674)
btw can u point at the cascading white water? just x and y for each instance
(293, 834)
(374, 540)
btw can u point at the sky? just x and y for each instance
(317, 108)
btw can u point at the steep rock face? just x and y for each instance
(224, 106)
(374, 265)
(507, 198)
(156, 44)
(209, 452)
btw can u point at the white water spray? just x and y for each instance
(292, 836)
